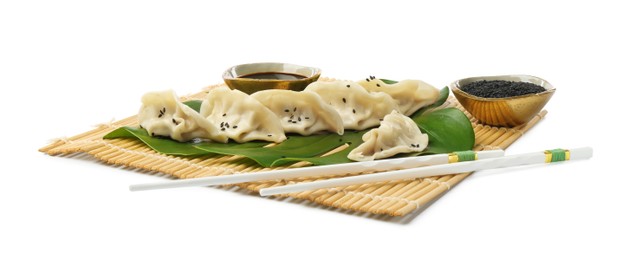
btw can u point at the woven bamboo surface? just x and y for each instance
(395, 198)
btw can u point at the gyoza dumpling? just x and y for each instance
(241, 117)
(301, 112)
(358, 108)
(397, 134)
(163, 114)
(410, 95)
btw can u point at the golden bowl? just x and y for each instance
(253, 77)
(509, 111)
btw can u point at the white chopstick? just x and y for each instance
(437, 170)
(327, 170)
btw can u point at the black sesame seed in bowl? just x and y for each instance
(501, 88)
(508, 100)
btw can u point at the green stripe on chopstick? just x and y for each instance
(462, 156)
(557, 155)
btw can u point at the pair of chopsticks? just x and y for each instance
(388, 170)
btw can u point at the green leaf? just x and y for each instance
(160, 144)
(194, 104)
(297, 146)
(352, 138)
(388, 81)
(448, 130)
(294, 146)
(443, 96)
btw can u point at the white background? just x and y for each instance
(68, 65)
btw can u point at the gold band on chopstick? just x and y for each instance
(557, 155)
(462, 156)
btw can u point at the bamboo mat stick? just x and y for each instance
(97, 132)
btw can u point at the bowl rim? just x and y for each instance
(228, 76)
(455, 87)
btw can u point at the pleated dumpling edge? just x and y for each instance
(241, 117)
(397, 134)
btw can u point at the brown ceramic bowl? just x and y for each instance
(253, 77)
(509, 111)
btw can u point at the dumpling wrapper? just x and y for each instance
(397, 134)
(241, 117)
(358, 108)
(301, 112)
(163, 114)
(410, 95)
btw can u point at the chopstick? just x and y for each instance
(547, 156)
(327, 170)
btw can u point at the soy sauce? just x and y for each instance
(273, 75)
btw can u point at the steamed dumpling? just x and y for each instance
(410, 95)
(163, 114)
(241, 117)
(358, 108)
(302, 112)
(397, 134)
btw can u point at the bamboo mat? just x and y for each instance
(395, 198)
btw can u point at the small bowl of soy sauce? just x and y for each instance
(504, 101)
(253, 77)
